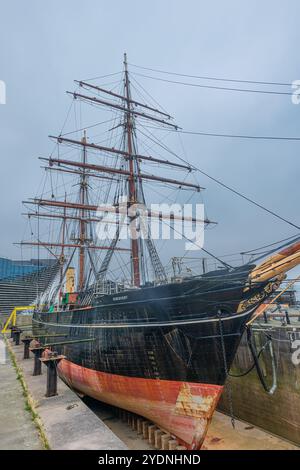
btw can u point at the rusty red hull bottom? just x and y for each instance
(184, 409)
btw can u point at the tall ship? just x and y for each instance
(157, 343)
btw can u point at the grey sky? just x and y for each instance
(46, 45)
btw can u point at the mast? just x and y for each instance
(131, 180)
(128, 172)
(62, 255)
(82, 225)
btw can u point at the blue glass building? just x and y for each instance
(10, 269)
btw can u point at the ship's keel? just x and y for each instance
(183, 409)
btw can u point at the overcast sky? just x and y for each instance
(46, 45)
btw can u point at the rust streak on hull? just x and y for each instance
(184, 409)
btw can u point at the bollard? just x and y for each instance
(51, 362)
(26, 341)
(288, 321)
(265, 317)
(12, 331)
(17, 334)
(38, 351)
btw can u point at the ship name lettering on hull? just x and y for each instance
(121, 297)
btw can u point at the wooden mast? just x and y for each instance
(82, 225)
(62, 255)
(131, 182)
(129, 171)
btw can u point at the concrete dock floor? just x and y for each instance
(130, 437)
(67, 422)
(222, 436)
(17, 430)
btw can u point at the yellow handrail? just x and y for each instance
(13, 316)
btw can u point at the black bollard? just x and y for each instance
(265, 317)
(17, 334)
(26, 341)
(37, 369)
(51, 362)
(288, 321)
(12, 332)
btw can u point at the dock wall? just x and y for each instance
(278, 413)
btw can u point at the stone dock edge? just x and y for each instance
(63, 422)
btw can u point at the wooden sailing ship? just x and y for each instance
(159, 347)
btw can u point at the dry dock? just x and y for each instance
(66, 421)
(279, 412)
(221, 435)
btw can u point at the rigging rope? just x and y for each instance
(238, 193)
(266, 246)
(205, 77)
(215, 87)
(236, 136)
(200, 247)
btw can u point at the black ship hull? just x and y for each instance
(157, 341)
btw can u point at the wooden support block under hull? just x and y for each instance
(165, 438)
(157, 438)
(139, 425)
(151, 434)
(173, 443)
(134, 422)
(146, 425)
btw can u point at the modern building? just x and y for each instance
(22, 281)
